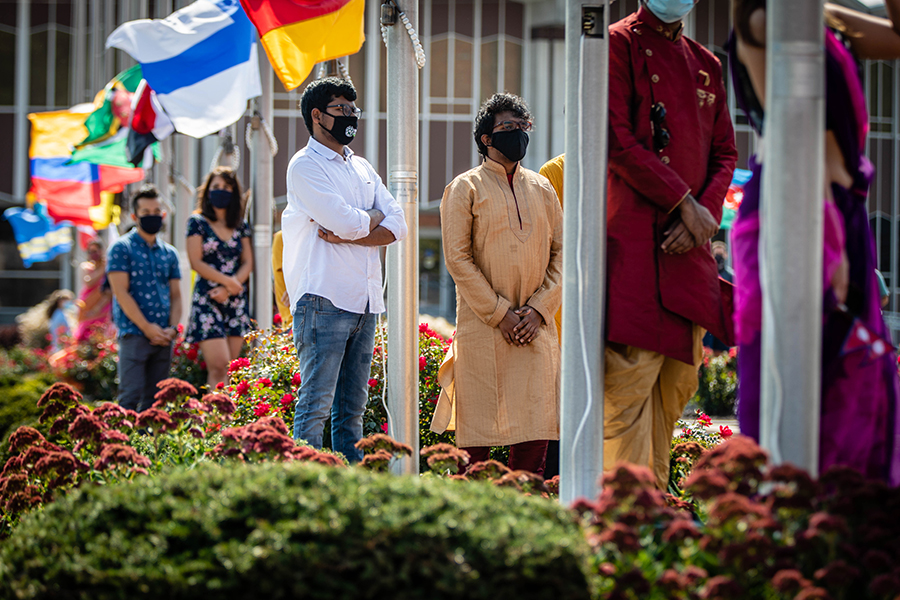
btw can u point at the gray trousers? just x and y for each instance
(141, 367)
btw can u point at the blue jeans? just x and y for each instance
(335, 351)
(141, 366)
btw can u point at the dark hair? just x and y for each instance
(319, 93)
(148, 190)
(54, 298)
(496, 104)
(235, 210)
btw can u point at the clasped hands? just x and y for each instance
(159, 336)
(519, 327)
(221, 293)
(694, 227)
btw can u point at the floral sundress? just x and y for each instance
(211, 319)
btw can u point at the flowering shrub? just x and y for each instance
(769, 532)
(19, 361)
(717, 394)
(264, 383)
(90, 366)
(187, 363)
(693, 441)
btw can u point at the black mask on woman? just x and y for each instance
(151, 224)
(220, 198)
(511, 144)
(343, 130)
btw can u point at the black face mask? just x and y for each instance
(343, 130)
(511, 144)
(720, 261)
(151, 224)
(220, 198)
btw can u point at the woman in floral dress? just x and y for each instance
(221, 253)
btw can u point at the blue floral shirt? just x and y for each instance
(149, 268)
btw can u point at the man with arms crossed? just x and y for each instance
(338, 213)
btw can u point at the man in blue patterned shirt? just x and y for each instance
(144, 275)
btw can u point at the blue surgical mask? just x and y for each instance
(220, 198)
(670, 11)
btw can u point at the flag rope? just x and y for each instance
(417, 45)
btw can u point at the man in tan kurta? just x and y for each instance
(502, 238)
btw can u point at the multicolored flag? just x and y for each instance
(149, 123)
(201, 61)
(297, 34)
(38, 238)
(734, 196)
(112, 106)
(69, 190)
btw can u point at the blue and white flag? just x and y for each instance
(39, 239)
(201, 61)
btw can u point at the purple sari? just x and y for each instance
(859, 421)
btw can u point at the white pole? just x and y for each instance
(263, 200)
(792, 232)
(584, 254)
(186, 148)
(22, 85)
(403, 257)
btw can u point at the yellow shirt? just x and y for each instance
(553, 170)
(277, 257)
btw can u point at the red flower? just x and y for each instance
(220, 385)
(295, 380)
(262, 409)
(242, 388)
(422, 363)
(725, 431)
(276, 318)
(704, 420)
(685, 432)
(238, 363)
(373, 382)
(384, 427)
(264, 382)
(287, 399)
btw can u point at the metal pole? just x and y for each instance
(23, 85)
(584, 256)
(263, 200)
(186, 148)
(792, 226)
(403, 257)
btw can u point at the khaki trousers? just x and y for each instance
(645, 396)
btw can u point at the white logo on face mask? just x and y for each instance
(350, 131)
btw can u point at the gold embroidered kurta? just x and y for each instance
(503, 247)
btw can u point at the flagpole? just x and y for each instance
(584, 255)
(403, 257)
(792, 226)
(184, 202)
(263, 198)
(22, 85)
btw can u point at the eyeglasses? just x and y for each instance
(525, 126)
(347, 110)
(661, 135)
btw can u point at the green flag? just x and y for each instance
(104, 122)
(111, 151)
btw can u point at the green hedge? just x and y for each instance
(18, 403)
(295, 530)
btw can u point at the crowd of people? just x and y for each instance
(671, 158)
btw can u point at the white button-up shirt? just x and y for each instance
(325, 189)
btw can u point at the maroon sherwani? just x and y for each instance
(659, 302)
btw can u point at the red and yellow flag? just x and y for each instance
(297, 34)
